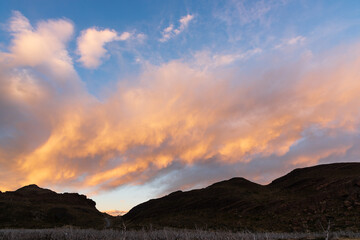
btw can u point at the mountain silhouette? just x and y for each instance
(307, 199)
(35, 207)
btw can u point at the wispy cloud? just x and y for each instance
(141, 37)
(124, 36)
(170, 32)
(173, 116)
(246, 12)
(19, 23)
(291, 41)
(250, 20)
(255, 12)
(208, 60)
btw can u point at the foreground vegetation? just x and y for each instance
(91, 234)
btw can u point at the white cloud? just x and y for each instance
(19, 23)
(205, 59)
(124, 36)
(43, 46)
(173, 115)
(295, 40)
(140, 37)
(170, 32)
(169, 28)
(184, 21)
(91, 44)
(290, 42)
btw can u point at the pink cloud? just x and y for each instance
(172, 115)
(169, 32)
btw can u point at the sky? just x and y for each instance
(126, 101)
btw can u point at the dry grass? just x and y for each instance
(91, 234)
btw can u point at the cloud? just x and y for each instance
(208, 60)
(141, 37)
(184, 22)
(37, 83)
(19, 23)
(124, 36)
(170, 32)
(246, 12)
(91, 44)
(290, 42)
(256, 12)
(177, 117)
(248, 20)
(44, 45)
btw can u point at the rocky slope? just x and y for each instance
(304, 200)
(34, 207)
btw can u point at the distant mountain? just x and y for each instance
(35, 207)
(306, 199)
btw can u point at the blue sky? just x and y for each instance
(130, 100)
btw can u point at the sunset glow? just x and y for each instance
(113, 104)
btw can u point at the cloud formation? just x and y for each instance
(208, 60)
(246, 12)
(91, 44)
(290, 42)
(44, 45)
(173, 117)
(170, 32)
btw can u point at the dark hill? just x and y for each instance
(35, 207)
(305, 199)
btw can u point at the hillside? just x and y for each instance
(35, 207)
(304, 200)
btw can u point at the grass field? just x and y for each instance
(165, 234)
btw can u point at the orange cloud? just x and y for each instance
(173, 113)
